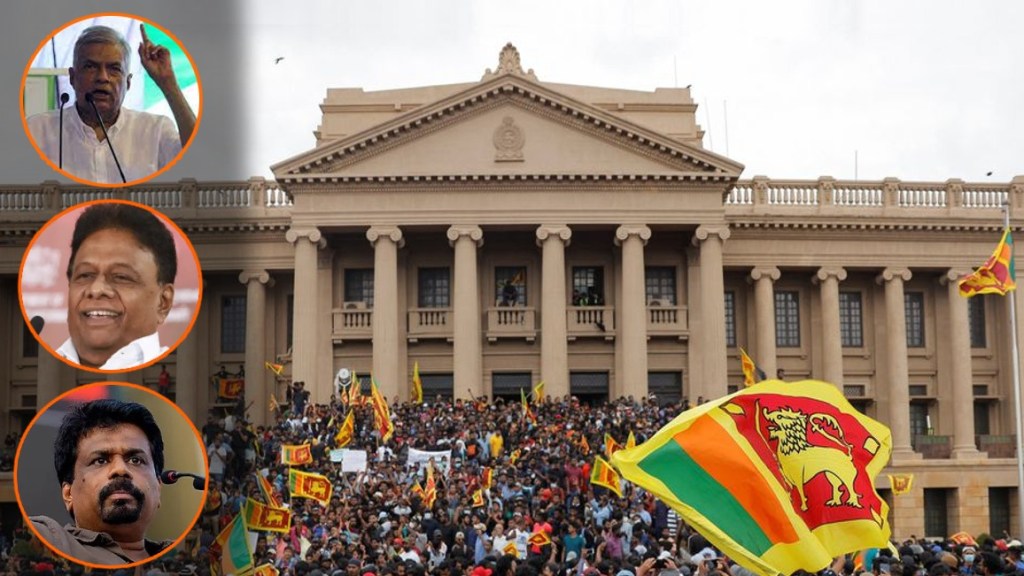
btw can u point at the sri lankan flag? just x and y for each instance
(381, 412)
(417, 490)
(610, 445)
(779, 477)
(538, 392)
(346, 431)
(417, 384)
(996, 275)
(486, 477)
(235, 555)
(230, 388)
(901, 483)
(266, 570)
(478, 498)
(268, 491)
(631, 440)
(751, 373)
(602, 474)
(528, 414)
(274, 367)
(584, 445)
(430, 492)
(259, 516)
(355, 392)
(307, 485)
(511, 549)
(514, 456)
(301, 454)
(539, 538)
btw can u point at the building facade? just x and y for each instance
(510, 230)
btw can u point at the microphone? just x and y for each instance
(60, 146)
(37, 323)
(90, 100)
(172, 476)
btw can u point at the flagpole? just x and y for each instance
(1016, 390)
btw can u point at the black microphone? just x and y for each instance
(89, 99)
(172, 476)
(37, 323)
(60, 139)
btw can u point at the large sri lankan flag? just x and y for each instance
(779, 476)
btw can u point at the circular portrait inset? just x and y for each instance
(110, 286)
(111, 99)
(96, 475)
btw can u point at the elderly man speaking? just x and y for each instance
(139, 143)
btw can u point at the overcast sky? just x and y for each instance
(921, 90)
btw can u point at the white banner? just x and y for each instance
(419, 459)
(353, 460)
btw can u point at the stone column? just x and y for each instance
(386, 241)
(712, 297)
(554, 350)
(960, 366)
(48, 372)
(467, 347)
(831, 342)
(764, 278)
(895, 375)
(187, 380)
(256, 392)
(306, 314)
(632, 305)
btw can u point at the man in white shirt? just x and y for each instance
(143, 142)
(120, 286)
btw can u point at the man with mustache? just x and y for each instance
(120, 286)
(109, 455)
(143, 142)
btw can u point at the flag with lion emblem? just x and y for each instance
(779, 476)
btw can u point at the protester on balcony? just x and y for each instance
(142, 142)
(120, 287)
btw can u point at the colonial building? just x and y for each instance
(511, 230)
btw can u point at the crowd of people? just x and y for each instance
(376, 524)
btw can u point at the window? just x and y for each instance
(982, 426)
(913, 308)
(787, 319)
(730, 319)
(510, 285)
(851, 320)
(435, 385)
(998, 509)
(232, 324)
(508, 384)
(587, 286)
(435, 291)
(935, 509)
(661, 285)
(359, 285)
(976, 320)
(667, 387)
(29, 344)
(919, 419)
(589, 387)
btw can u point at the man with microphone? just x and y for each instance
(99, 140)
(109, 458)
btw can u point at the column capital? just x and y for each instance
(826, 272)
(769, 272)
(393, 233)
(472, 231)
(953, 275)
(261, 276)
(641, 231)
(893, 273)
(313, 234)
(705, 231)
(560, 231)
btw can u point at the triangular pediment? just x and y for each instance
(508, 125)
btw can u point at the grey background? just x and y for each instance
(209, 30)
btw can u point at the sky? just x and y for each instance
(918, 90)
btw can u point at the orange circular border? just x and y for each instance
(175, 160)
(157, 556)
(163, 218)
